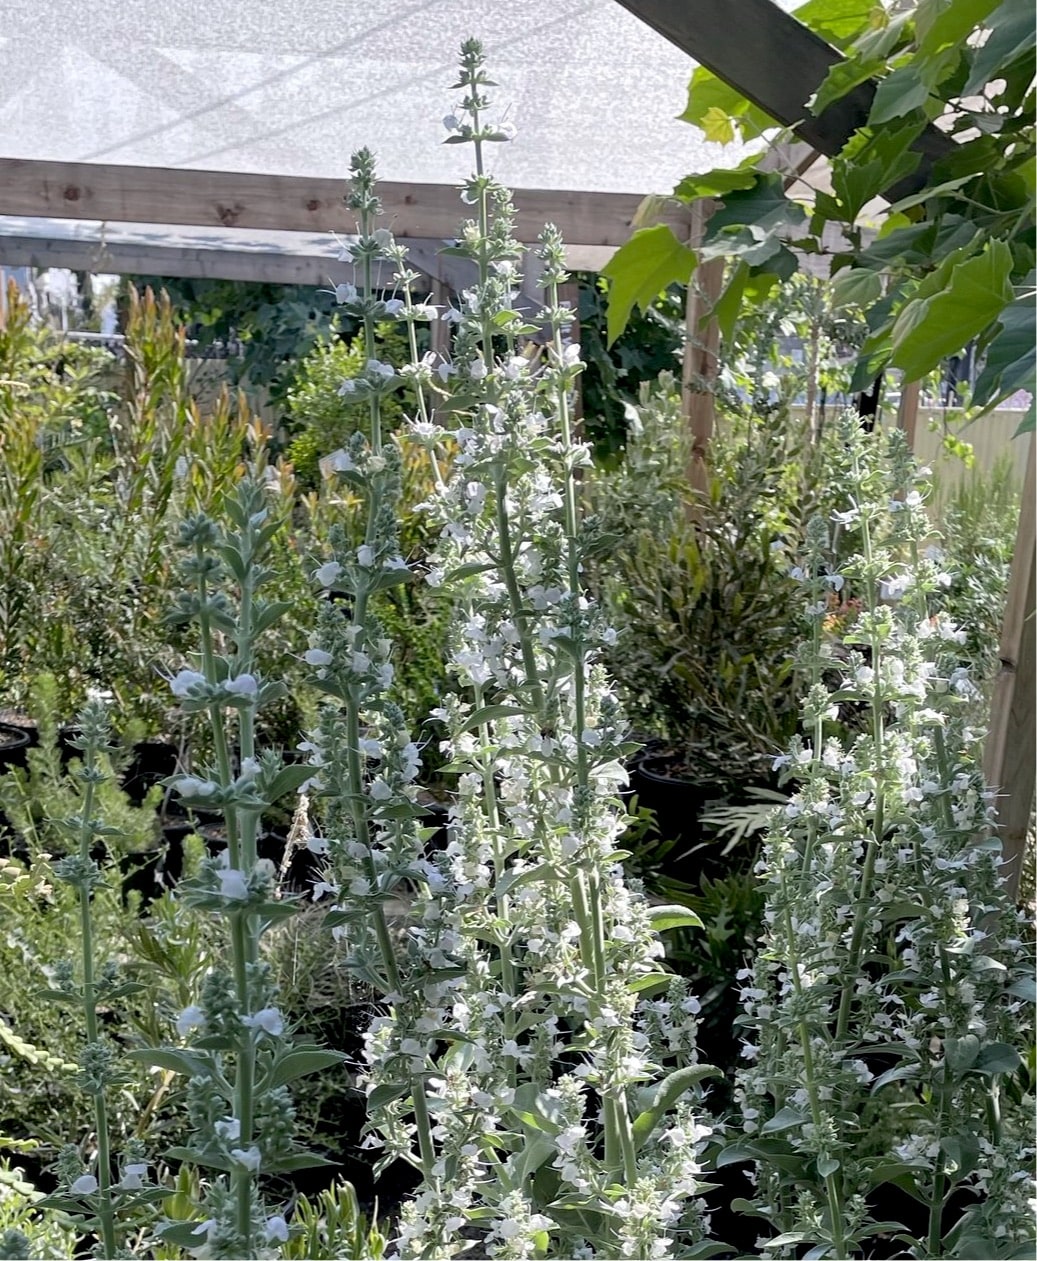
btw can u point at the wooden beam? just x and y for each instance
(1011, 749)
(701, 347)
(778, 64)
(228, 199)
(907, 412)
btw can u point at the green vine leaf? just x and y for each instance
(641, 269)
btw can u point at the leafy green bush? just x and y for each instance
(319, 416)
(698, 587)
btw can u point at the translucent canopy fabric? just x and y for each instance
(292, 87)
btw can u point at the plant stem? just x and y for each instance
(586, 886)
(105, 1210)
(874, 841)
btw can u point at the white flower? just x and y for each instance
(276, 1230)
(376, 368)
(192, 786)
(328, 573)
(339, 461)
(190, 1018)
(250, 1158)
(346, 388)
(229, 1129)
(269, 1019)
(365, 556)
(85, 1184)
(242, 685)
(345, 293)
(180, 467)
(317, 657)
(233, 884)
(182, 683)
(591, 737)
(133, 1177)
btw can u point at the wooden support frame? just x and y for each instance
(229, 199)
(1011, 749)
(701, 347)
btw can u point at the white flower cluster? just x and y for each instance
(524, 948)
(888, 992)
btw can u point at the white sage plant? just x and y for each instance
(517, 1062)
(890, 996)
(234, 1045)
(107, 1197)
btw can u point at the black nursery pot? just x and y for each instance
(663, 785)
(14, 743)
(153, 761)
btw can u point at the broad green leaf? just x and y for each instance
(188, 1236)
(898, 94)
(1011, 359)
(929, 329)
(666, 917)
(785, 1119)
(717, 127)
(491, 713)
(640, 270)
(727, 307)
(289, 779)
(717, 183)
(961, 1053)
(1012, 37)
(1025, 988)
(837, 21)
(171, 1059)
(299, 1160)
(301, 1062)
(841, 78)
(827, 1165)
(856, 287)
(666, 1095)
(998, 1057)
(387, 1092)
(650, 981)
(763, 207)
(927, 194)
(903, 1072)
(946, 23)
(962, 1151)
(709, 96)
(208, 1160)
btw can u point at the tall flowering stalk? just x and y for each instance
(886, 1006)
(239, 1056)
(555, 1098)
(102, 1202)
